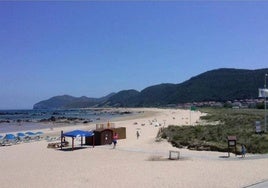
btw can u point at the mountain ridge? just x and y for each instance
(219, 85)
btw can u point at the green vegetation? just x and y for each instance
(231, 122)
(216, 85)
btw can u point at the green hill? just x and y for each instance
(66, 101)
(215, 85)
(221, 85)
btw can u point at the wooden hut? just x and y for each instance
(101, 137)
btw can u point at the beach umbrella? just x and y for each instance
(21, 134)
(30, 133)
(10, 137)
(38, 135)
(39, 132)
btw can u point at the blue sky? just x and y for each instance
(95, 48)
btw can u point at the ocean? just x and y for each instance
(22, 120)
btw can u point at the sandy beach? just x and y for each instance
(141, 162)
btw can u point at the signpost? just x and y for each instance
(231, 143)
(258, 127)
(192, 108)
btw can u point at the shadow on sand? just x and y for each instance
(73, 149)
(224, 157)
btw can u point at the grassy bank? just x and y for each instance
(237, 122)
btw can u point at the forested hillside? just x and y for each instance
(215, 85)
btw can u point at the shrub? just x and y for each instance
(239, 122)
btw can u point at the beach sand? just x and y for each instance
(141, 162)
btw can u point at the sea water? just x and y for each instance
(21, 120)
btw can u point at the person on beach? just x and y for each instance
(138, 134)
(115, 137)
(243, 150)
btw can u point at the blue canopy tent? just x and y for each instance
(76, 133)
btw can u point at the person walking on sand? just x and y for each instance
(138, 134)
(115, 137)
(243, 150)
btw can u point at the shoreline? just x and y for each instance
(120, 114)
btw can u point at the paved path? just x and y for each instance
(199, 155)
(261, 184)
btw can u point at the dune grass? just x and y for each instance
(231, 122)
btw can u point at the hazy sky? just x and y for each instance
(95, 48)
